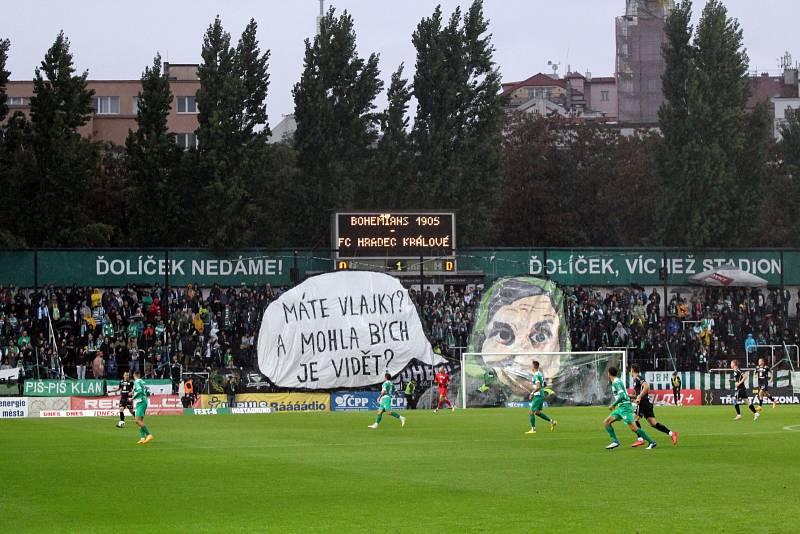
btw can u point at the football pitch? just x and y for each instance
(468, 471)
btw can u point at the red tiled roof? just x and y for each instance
(537, 80)
(765, 87)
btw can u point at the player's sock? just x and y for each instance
(395, 415)
(141, 432)
(738, 410)
(545, 417)
(638, 424)
(662, 428)
(122, 416)
(145, 432)
(610, 430)
(533, 421)
(752, 408)
(642, 434)
(439, 404)
(761, 401)
(448, 403)
(378, 419)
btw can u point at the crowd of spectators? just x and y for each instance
(81, 332)
(447, 317)
(702, 328)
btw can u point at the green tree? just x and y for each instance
(151, 160)
(531, 212)
(782, 191)
(457, 129)
(703, 122)
(65, 162)
(391, 159)
(336, 122)
(232, 131)
(754, 171)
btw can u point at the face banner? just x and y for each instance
(519, 320)
(341, 330)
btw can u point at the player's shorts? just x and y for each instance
(141, 408)
(763, 386)
(537, 403)
(125, 402)
(741, 394)
(625, 413)
(645, 410)
(386, 403)
(442, 392)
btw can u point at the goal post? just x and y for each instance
(499, 379)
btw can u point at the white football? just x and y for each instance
(120, 424)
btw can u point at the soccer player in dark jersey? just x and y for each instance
(739, 379)
(764, 373)
(125, 400)
(644, 408)
(442, 380)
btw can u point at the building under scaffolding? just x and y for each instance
(640, 63)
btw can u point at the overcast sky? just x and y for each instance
(116, 40)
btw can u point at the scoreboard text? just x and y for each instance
(394, 235)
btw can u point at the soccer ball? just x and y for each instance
(120, 424)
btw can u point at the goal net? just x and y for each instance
(571, 378)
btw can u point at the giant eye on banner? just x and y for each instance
(341, 330)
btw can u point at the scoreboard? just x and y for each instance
(382, 235)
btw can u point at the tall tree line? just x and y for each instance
(711, 176)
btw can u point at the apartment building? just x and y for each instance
(116, 105)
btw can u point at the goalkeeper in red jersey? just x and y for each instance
(442, 380)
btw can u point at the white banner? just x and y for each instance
(342, 329)
(8, 374)
(13, 407)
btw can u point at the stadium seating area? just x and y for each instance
(702, 327)
(99, 333)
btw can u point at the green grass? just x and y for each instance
(470, 471)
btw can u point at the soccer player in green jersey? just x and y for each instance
(385, 403)
(140, 405)
(622, 408)
(537, 400)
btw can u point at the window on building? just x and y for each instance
(106, 105)
(135, 106)
(186, 140)
(187, 104)
(604, 96)
(539, 92)
(18, 101)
